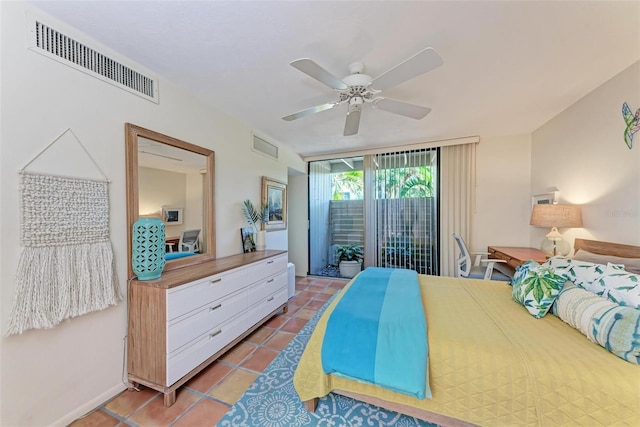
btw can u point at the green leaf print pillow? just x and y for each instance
(536, 287)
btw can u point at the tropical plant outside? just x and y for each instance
(399, 255)
(397, 183)
(347, 185)
(349, 253)
(402, 183)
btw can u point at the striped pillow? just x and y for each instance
(614, 327)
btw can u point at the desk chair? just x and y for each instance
(189, 241)
(465, 269)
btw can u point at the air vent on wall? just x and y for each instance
(264, 147)
(62, 48)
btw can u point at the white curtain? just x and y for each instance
(457, 200)
(370, 213)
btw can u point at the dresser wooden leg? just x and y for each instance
(170, 398)
(285, 308)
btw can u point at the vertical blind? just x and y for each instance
(387, 203)
(319, 210)
(457, 195)
(401, 205)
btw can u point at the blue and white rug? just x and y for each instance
(272, 401)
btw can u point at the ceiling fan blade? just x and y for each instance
(403, 108)
(420, 63)
(312, 69)
(310, 111)
(352, 123)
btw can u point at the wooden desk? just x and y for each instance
(515, 256)
(172, 242)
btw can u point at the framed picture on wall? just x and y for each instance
(248, 244)
(545, 199)
(274, 195)
(172, 216)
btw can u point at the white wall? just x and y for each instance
(503, 199)
(193, 214)
(159, 188)
(298, 222)
(581, 151)
(53, 376)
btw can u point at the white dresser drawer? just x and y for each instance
(267, 305)
(186, 298)
(180, 332)
(268, 267)
(182, 362)
(258, 291)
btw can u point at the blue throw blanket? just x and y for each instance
(378, 332)
(176, 255)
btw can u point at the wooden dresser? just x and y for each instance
(183, 321)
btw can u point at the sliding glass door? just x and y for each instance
(384, 203)
(401, 211)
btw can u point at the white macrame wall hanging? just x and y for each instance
(66, 267)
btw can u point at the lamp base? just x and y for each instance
(555, 247)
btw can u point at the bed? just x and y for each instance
(492, 363)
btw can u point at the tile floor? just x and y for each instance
(207, 397)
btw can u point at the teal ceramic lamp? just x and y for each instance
(148, 253)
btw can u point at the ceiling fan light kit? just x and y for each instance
(358, 89)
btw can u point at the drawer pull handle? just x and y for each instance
(270, 280)
(219, 279)
(270, 262)
(218, 332)
(216, 307)
(270, 299)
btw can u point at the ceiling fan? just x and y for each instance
(358, 89)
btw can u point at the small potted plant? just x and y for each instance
(256, 217)
(349, 260)
(398, 255)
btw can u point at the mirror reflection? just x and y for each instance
(171, 186)
(172, 180)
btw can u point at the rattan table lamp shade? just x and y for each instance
(556, 216)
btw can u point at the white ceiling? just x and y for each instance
(152, 154)
(509, 66)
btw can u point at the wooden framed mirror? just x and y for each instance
(170, 178)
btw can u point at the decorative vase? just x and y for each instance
(261, 244)
(148, 253)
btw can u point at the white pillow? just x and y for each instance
(622, 286)
(586, 275)
(559, 263)
(611, 280)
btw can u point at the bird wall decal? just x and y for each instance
(633, 124)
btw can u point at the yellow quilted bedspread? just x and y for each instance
(491, 363)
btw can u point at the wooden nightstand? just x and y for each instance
(515, 256)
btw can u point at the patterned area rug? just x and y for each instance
(272, 401)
